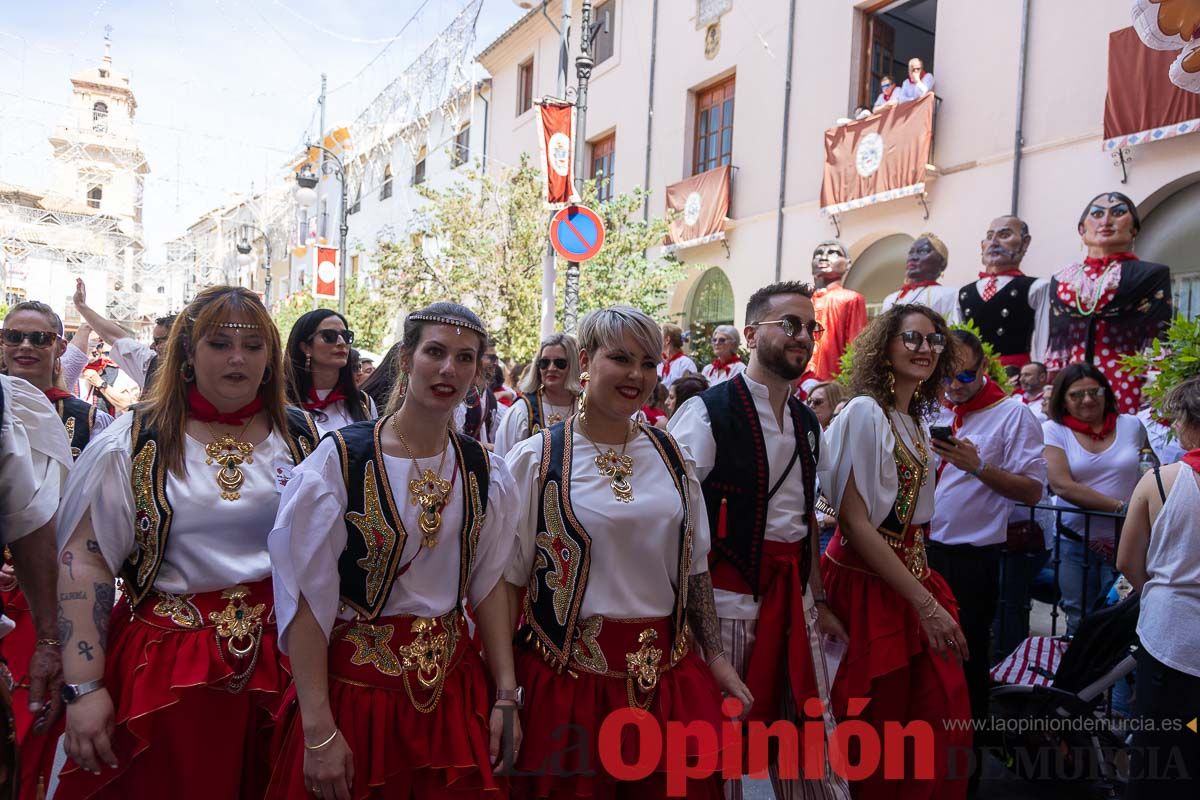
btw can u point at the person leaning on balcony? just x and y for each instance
(918, 83)
(887, 94)
(1160, 555)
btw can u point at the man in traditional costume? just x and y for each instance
(841, 312)
(755, 448)
(927, 259)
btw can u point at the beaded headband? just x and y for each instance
(457, 323)
(239, 325)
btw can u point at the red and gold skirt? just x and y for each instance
(196, 681)
(411, 697)
(616, 665)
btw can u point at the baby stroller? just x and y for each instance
(1049, 709)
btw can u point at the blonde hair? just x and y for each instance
(607, 327)
(673, 333)
(531, 381)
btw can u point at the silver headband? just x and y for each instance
(457, 323)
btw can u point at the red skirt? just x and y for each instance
(889, 663)
(400, 751)
(561, 754)
(181, 730)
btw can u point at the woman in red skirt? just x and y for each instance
(173, 692)
(381, 535)
(906, 648)
(614, 561)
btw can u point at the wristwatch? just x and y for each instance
(71, 692)
(978, 472)
(517, 696)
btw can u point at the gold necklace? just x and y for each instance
(552, 419)
(618, 468)
(429, 492)
(230, 453)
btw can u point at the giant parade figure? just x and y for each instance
(926, 261)
(841, 312)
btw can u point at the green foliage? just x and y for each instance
(845, 365)
(369, 315)
(1173, 361)
(995, 370)
(3, 310)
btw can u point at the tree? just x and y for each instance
(481, 242)
(370, 315)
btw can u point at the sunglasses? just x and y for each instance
(719, 340)
(964, 377)
(1095, 393)
(912, 340)
(330, 336)
(559, 363)
(791, 325)
(14, 338)
(160, 340)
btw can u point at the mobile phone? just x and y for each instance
(943, 432)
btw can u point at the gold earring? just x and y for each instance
(891, 385)
(308, 362)
(584, 377)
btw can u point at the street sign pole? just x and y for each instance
(549, 272)
(583, 73)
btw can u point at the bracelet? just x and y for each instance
(715, 657)
(929, 598)
(820, 601)
(48, 643)
(332, 736)
(933, 611)
(978, 473)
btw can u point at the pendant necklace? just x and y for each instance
(552, 419)
(618, 468)
(229, 452)
(429, 492)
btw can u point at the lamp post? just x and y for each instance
(244, 258)
(306, 195)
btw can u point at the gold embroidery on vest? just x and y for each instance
(146, 516)
(586, 651)
(371, 648)
(378, 536)
(69, 424)
(179, 609)
(564, 555)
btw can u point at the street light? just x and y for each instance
(306, 195)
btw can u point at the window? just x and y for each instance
(892, 36)
(385, 191)
(714, 127)
(354, 265)
(100, 118)
(603, 153)
(462, 147)
(419, 168)
(93, 196)
(524, 87)
(605, 16)
(356, 206)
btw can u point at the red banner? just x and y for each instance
(327, 272)
(1143, 105)
(556, 146)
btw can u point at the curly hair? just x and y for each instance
(871, 368)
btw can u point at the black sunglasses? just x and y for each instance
(912, 340)
(791, 325)
(559, 363)
(330, 335)
(36, 338)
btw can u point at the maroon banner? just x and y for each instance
(556, 146)
(701, 203)
(1143, 105)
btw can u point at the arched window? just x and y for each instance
(93, 196)
(710, 305)
(100, 117)
(385, 191)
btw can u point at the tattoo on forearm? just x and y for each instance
(102, 611)
(702, 614)
(65, 627)
(85, 650)
(93, 546)
(67, 559)
(65, 596)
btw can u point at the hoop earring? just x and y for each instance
(188, 372)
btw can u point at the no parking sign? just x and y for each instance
(576, 233)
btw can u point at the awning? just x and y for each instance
(880, 158)
(701, 203)
(1143, 105)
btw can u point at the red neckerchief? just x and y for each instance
(54, 394)
(909, 287)
(1105, 261)
(204, 411)
(315, 403)
(1008, 273)
(1192, 459)
(725, 366)
(887, 93)
(667, 361)
(100, 364)
(989, 395)
(653, 414)
(1110, 424)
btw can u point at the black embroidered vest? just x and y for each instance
(737, 488)
(533, 408)
(562, 554)
(375, 533)
(78, 418)
(1006, 321)
(152, 507)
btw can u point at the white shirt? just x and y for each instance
(514, 425)
(942, 299)
(1162, 439)
(35, 459)
(635, 546)
(1112, 472)
(912, 91)
(214, 543)
(786, 512)
(310, 535)
(671, 371)
(335, 415)
(1170, 602)
(860, 440)
(133, 358)
(1035, 406)
(966, 510)
(714, 377)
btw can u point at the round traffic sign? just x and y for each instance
(577, 233)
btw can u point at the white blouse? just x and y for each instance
(310, 535)
(714, 377)
(514, 427)
(635, 546)
(213, 544)
(35, 458)
(860, 439)
(335, 414)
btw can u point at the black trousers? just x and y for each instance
(1166, 754)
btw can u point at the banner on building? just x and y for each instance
(880, 158)
(326, 273)
(556, 146)
(701, 204)
(1143, 104)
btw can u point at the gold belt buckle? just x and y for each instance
(428, 654)
(238, 621)
(643, 668)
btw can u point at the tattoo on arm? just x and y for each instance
(85, 650)
(67, 559)
(702, 614)
(102, 611)
(65, 627)
(65, 596)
